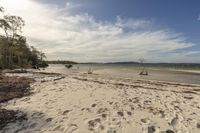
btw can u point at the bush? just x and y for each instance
(43, 64)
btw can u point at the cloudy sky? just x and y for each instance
(112, 30)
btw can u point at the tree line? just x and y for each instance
(14, 49)
(61, 62)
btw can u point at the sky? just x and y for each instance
(112, 30)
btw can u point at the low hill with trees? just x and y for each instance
(61, 62)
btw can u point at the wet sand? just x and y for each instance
(81, 103)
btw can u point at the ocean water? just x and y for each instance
(164, 72)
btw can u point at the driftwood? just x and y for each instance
(90, 71)
(145, 73)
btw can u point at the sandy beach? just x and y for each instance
(81, 103)
(99, 66)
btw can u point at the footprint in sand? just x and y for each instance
(33, 125)
(49, 119)
(26, 99)
(129, 113)
(177, 123)
(120, 113)
(198, 125)
(112, 130)
(66, 112)
(37, 115)
(102, 110)
(153, 129)
(86, 109)
(104, 116)
(110, 102)
(93, 124)
(45, 95)
(71, 128)
(59, 128)
(170, 131)
(145, 120)
(93, 105)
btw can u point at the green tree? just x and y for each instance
(15, 26)
(14, 50)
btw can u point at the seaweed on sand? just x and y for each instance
(10, 88)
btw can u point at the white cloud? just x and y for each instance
(81, 38)
(133, 24)
(71, 5)
(198, 18)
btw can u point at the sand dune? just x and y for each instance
(92, 103)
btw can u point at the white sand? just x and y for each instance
(98, 104)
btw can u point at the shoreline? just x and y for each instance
(96, 103)
(187, 71)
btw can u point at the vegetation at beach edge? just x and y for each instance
(14, 49)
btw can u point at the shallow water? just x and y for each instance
(128, 71)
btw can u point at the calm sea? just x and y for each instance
(184, 73)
